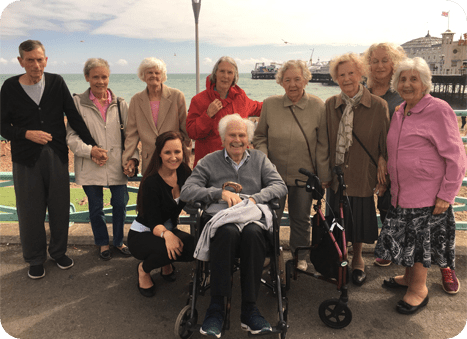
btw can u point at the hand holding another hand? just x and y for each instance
(99, 155)
(129, 168)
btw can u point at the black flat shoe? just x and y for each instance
(146, 292)
(105, 255)
(404, 308)
(391, 283)
(169, 277)
(358, 277)
(125, 251)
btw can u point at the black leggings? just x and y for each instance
(152, 250)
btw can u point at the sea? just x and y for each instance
(127, 85)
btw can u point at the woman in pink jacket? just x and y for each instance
(221, 97)
(426, 165)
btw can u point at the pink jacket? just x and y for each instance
(426, 154)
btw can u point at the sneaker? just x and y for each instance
(450, 283)
(212, 324)
(254, 322)
(36, 271)
(64, 262)
(382, 262)
(302, 265)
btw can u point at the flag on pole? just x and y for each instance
(445, 14)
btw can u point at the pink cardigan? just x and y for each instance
(426, 154)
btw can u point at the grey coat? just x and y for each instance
(258, 176)
(106, 134)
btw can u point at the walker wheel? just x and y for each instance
(183, 325)
(335, 313)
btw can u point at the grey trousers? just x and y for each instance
(299, 214)
(44, 186)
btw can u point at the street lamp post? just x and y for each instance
(196, 8)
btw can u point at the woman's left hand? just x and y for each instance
(174, 245)
(380, 189)
(382, 171)
(440, 206)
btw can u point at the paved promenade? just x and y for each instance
(97, 299)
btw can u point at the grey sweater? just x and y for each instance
(258, 177)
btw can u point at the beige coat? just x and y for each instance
(106, 134)
(280, 138)
(141, 127)
(371, 125)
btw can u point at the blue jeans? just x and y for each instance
(96, 214)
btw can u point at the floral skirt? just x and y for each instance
(415, 235)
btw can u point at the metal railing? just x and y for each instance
(8, 213)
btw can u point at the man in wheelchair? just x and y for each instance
(217, 181)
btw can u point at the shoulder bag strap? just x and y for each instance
(122, 131)
(306, 139)
(364, 148)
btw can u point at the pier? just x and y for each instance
(452, 89)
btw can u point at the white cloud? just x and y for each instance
(3, 61)
(14, 61)
(207, 61)
(122, 62)
(235, 23)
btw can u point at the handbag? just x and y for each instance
(122, 132)
(318, 192)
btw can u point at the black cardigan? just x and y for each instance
(20, 113)
(158, 203)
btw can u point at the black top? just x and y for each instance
(158, 202)
(393, 99)
(20, 113)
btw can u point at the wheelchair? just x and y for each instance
(187, 321)
(328, 253)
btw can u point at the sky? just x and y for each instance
(124, 32)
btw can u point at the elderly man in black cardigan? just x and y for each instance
(32, 108)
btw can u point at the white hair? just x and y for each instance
(298, 64)
(151, 63)
(225, 121)
(415, 64)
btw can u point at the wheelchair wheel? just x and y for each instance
(335, 314)
(182, 327)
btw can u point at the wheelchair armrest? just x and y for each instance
(274, 204)
(193, 208)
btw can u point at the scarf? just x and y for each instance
(344, 132)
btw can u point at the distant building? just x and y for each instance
(443, 55)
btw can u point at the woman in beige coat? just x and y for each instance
(98, 107)
(155, 110)
(279, 136)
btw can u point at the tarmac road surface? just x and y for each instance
(97, 299)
